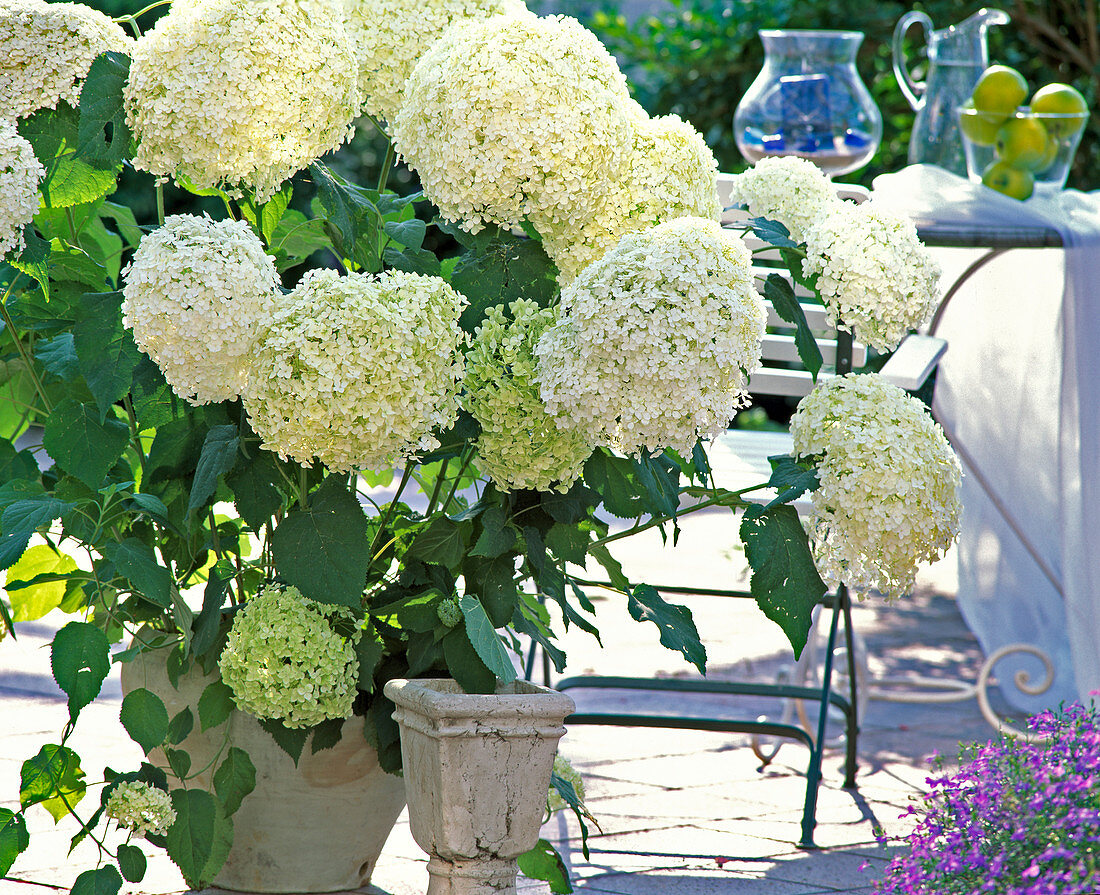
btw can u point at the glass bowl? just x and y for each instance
(1041, 144)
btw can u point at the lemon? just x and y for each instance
(978, 128)
(999, 91)
(1060, 99)
(1018, 183)
(1022, 142)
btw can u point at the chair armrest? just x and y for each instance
(913, 362)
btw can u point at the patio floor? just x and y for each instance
(685, 812)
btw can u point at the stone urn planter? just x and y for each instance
(315, 827)
(477, 770)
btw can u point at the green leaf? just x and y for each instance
(464, 664)
(104, 880)
(14, 838)
(660, 477)
(103, 137)
(485, 640)
(154, 401)
(326, 735)
(507, 267)
(208, 623)
(200, 839)
(290, 739)
(265, 218)
(132, 863)
(145, 718)
(772, 232)
(215, 705)
(409, 233)
(494, 583)
(53, 779)
(781, 294)
(353, 218)
(419, 261)
(785, 581)
(443, 542)
(80, 660)
(615, 479)
(181, 725)
(81, 443)
(124, 220)
(58, 356)
(324, 550)
(106, 349)
(70, 180)
(675, 623)
(31, 599)
(369, 650)
(136, 562)
(496, 537)
(179, 761)
(569, 542)
(34, 260)
(234, 779)
(252, 482)
(16, 464)
(296, 237)
(543, 862)
(791, 478)
(219, 455)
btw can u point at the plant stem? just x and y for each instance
(438, 487)
(387, 165)
(128, 402)
(22, 349)
(160, 203)
(72, 227)
(467, 458)
(129, 18)
(385, 520)
(722, 501)
(303, 487)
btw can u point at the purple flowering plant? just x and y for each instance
(1016, 818)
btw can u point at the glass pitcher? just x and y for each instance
(957, 56)
(809, 101)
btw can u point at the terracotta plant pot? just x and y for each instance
(477, 770)
(317, 827)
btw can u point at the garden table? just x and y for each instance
(1018, 393)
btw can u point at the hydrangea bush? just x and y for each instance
(328, 435)
(1018, 817)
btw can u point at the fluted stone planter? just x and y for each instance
(477, 770)
(315, 827)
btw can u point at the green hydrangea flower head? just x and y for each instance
(521, 444)
(141, 808)
(285, 660)
(566, 771)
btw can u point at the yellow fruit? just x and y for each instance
(1048, 159)
(1018, 183)
(1060, 99)
(977, 127)
(1022, 142)
(999, 91)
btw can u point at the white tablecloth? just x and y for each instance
(1019, 394)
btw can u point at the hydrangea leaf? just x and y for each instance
(290, 739)
(369, 650)
(219, 456)
(36, 584)
(485, 640)
(785, 581)
(326, 735)
(14, 838)
(660, 477)
(33, 260)
(351, 217)
(615, 480)
(215, 705)
(80, 660)
(145, 718)
(137, 563)
(543, 862)
(16, 464)
(494, 583)
(791, 478)
(105, 880)
(678, 631)
(82, 443)
(443, 542)
(569, 542)
(200, 839)
(496, 537)
(465, 665)
(234, 779)
(252, 481)
(324, 549)
(772, 232)
(106, 349)
(780, 293)
(70, 180)
(58, 356)
(181, 725)
(154, 401)
(54, 779)
(208, 622)
(103, 136)
(132, 863)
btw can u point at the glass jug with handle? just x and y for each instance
(957, 56)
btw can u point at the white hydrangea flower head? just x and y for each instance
(141, 808)
(391, 35)
(874, 275)
(656, 339)
(284, 659)
(195, 296)
(889, 492)
(521, 445)
(566, 771)
(357, 370)
(670, 173)
(788, 189)
(242, 95)
(46, 50)
(20, 173)
(515, 117)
